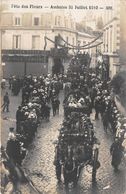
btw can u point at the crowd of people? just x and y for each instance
(15, 84)
(39, 95)
(75, 146)
(95, 94)
(84, 92)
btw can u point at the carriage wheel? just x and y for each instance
(95, 163)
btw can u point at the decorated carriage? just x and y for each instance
(75, 102)
(76, 148)
(77, 145)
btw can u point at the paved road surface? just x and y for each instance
(39, 161)
(40, 168)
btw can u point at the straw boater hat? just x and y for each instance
(11, 133)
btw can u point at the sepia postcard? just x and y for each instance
(63, 96)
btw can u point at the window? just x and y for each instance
(57, 20)
(66, 23)
(35, 42)
(67, 39)
(36, 21)
(73, 41)
(84, 42)
(72, 26)
(17, 21)
(16, 41)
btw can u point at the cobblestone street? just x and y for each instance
(8, 119)
(63, 97)
(39, 166)
(39, 163)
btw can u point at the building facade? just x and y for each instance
(24, 49)
(114, 37)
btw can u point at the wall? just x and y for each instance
(114, 65)
(48, 27)
(123, 35)
(18, 68)
(115, 35)
(26, 39)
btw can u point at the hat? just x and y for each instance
(11, 136)
(124, 125)
(11, 129)
(30, 104)
(26, 113)
(116, 138)
(34, 91)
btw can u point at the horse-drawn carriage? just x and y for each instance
(75, 101)
(77, 145)
(79, 64)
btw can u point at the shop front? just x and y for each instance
(24, 62)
